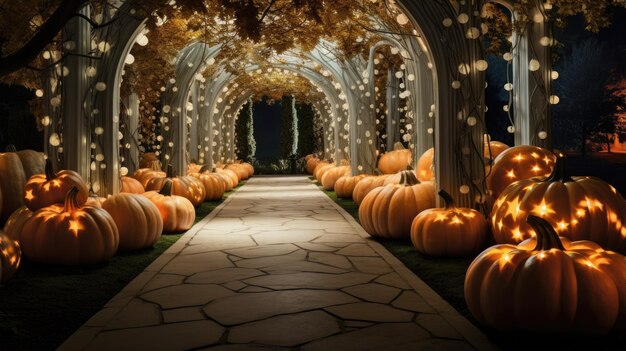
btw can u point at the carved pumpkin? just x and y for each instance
(177, 212)
(345, 185)
(214, 187)
(132, 186)
(330, 177)
(449, 231)
(425, 168)
(14, 225)
(395, 161)
(188, 187)
(548, 286)
(580, 208)
(388, 211)
(69, 234)
(16, 167)
(10, 257)
(230, 174)
(365, 185)
(143, 175)
(311, 162)
(138, 220)
(47, 189)
(518, 163)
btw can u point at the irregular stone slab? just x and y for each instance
(371, 338)
(234, 285)
(310, 280)
(288, 330)
(372, 312)
(339, 238)
(218, 243)
(242, 308)
(253, 289)
(247, 347)
(186, 295)
(191, 264)
(330, 259)
(177, 336)
(163, 280)
(437, 326)
(357, 324)
(411, 301)
(393, 279)
(264, 251)
(316, 247)
(304, 266)
(374, 265)
(430, 345)
(136, 314)
(286, 236)
(184, 314)
(262, 262)
(373, 292)
(223, 275)
(357, 250)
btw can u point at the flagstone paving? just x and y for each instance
(278, 266)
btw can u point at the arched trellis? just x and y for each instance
(457, 97)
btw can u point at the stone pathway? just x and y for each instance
(278, 266)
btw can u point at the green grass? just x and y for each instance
(43, 305)
(447, 277)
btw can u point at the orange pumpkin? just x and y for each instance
(345, 185)
(492, 149)
(330, 177)
(177, 212)
(388, 211)
(10, 257)
(16, 167)
(450, 231)
(132, 185)
(193, 168)
(147, 159)
(14, 225)
(546, 285)
(322, 168)
(580, 208)
(395, 161)
(70, 234)
(43, 190)
(188, 187)
(311, 163)
(425, 167)
(365, 185)
(241, 171)
(230, 174)
(227, 181)
(213, 185)
(518, 163)
(143, 175)
(138, 220)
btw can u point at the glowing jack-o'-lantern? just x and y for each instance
(395, 161)
(450, 231)
(579, 208)
(10, 256)
(518, 163)
(188, 187)
(177, 212)
(548, 284)
(47, 189)
(69, 234)
(388, 211)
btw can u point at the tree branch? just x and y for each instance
(27, 53)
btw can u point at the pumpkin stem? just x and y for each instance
(547, 238)
(10, 148)
(408, 178)
(71, 200)
(170, 171)
(49, 170)
(447, 198)
(155, 166)
(167, 188)
(559, 173)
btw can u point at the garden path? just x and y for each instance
(277, 266)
